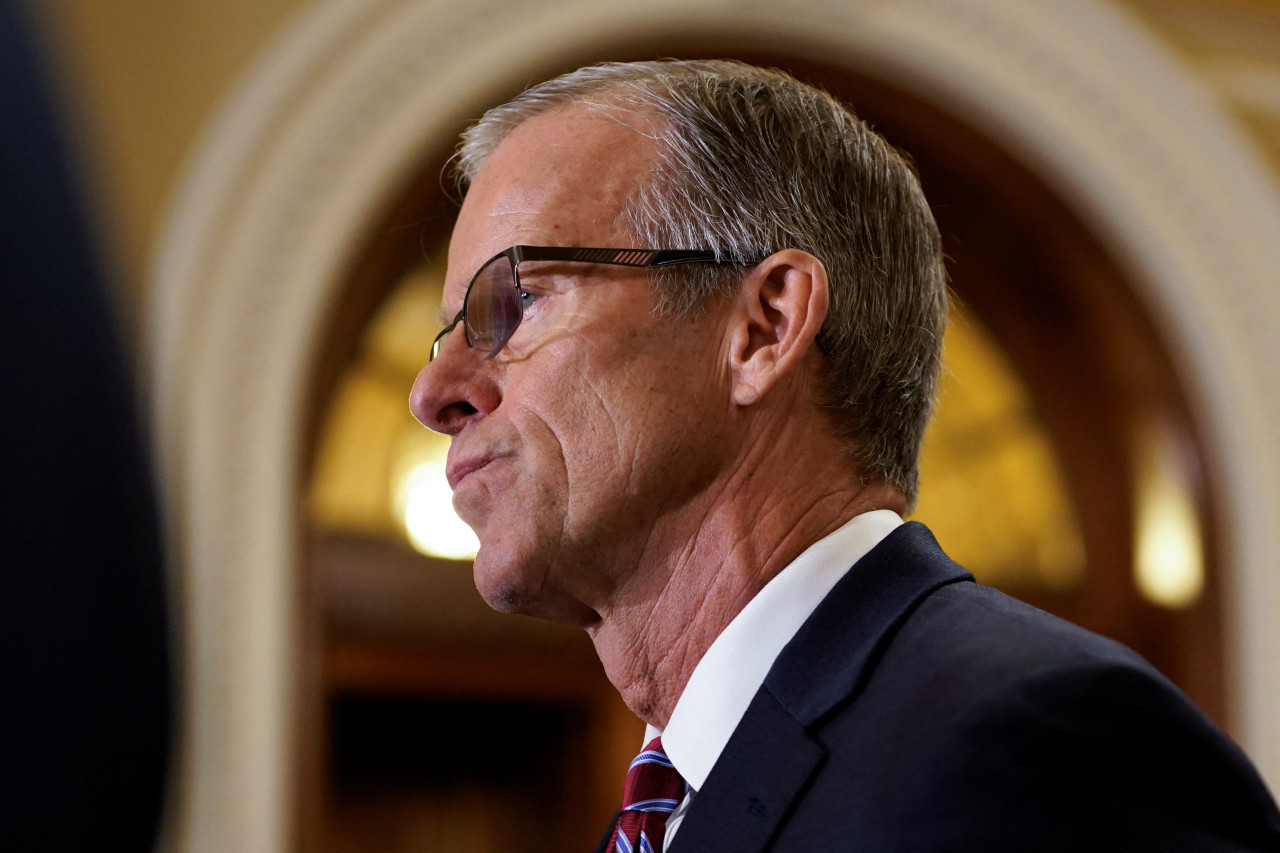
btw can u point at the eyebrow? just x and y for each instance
(443, 317)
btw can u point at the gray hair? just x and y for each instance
(753, 161)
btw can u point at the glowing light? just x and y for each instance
(424, 503)
(1169, 563)
(998, 504)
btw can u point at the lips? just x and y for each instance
(459, 469)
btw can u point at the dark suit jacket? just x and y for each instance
(84, 666)
(916, 711)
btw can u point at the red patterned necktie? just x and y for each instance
(653, 790)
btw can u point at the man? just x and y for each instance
(699, 449)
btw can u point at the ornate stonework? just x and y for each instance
(331, 122)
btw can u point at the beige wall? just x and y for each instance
(144, 78)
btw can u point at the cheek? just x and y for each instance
(632, 432)
(613, 420)
(587, 434)
(579, 433)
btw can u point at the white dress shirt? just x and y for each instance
(734, 667)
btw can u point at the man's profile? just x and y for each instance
(696, 312)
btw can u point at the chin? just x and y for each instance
(503, 597)
(503, 581)
(508, 587)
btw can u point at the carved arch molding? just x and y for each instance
(337, 117)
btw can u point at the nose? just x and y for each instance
(455, 389)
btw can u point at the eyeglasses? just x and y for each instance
(494, 303)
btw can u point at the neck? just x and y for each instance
(701, 566)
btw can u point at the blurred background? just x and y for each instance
(263, 177)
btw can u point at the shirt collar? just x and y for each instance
(733, 668)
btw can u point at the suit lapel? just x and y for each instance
(767, 762)
(836, 650)
(772, 756)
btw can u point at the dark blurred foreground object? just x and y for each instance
(84, 671)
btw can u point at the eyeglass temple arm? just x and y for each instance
(625, 257)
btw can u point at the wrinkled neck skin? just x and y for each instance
(702, 564)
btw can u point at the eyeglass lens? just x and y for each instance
(493, 308)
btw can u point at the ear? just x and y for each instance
(777, 313)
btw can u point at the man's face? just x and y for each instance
(578, 447)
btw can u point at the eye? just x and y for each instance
(528, 299)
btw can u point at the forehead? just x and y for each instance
(560, 179)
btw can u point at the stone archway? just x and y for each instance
(341, 112)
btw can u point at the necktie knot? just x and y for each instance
(652, 792)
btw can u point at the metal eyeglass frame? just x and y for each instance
(650, 258)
